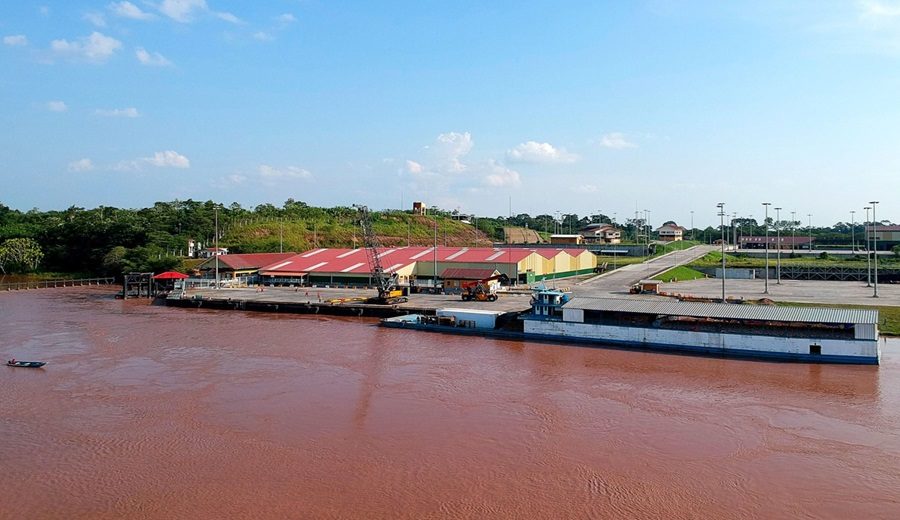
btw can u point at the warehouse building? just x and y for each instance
(424, 266)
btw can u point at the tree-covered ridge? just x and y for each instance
(108, 240)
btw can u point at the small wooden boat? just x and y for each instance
(25, 364)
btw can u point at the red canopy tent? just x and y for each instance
(170, 275)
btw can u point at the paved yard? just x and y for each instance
(811, 291)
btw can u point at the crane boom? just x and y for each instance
(385, 283)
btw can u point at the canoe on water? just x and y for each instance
(26, 364)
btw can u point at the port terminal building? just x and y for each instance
(425, 266)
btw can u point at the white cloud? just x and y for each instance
(81, 165)
(168, 159)
(182, 10)
(236, 178)
(44, 10)
(586, 188)
(56, 106)
(118, 112)
(540, 153)
(449, 148)
(875, 9)
(96, 48)
(263, 36)
(97, 19)
(288, 172)
(153, 59)
(286, 18)
(414, 167)
(129, 10)
(616, 140)
(15, 40)
(228, 17)
(501, 176)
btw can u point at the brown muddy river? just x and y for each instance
(151, 412)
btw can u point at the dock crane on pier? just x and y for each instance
(388, 292)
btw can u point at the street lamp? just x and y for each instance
(875, 246)
(721, 207)
(216, 252)
(852, 231)
(647, 224)
(793, 230)
(778, 245)
(868, 256)
(766, 223)
(733, 231)
(809, 216)
(692, 224)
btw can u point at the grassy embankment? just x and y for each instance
(679, 274)
(714, 259)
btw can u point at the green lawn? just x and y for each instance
(679, 274)
(714, 259)
(889, 316)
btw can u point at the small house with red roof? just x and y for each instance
(670, 232)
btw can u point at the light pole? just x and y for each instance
(793, 230)
(692, 225)
(809, 216)
(778, 245)
(875, 246)
(852, 231)
(766, 223)
(216, 252)
(281, 236)
(734, 231)
(721, 207)
(868, 256)
(647, 224)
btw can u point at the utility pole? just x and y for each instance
(216, 252)
(868, 255)
(852, 231)
(692, 224)
(766, 222)
(778, 245)
(434, 256)
(721, 207)
(875, 245)
(793, 230)
(281, 237)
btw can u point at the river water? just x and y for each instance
(153, 412)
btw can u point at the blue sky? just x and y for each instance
(554, 106)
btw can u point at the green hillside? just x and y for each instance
(343, 230)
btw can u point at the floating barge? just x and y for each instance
(806, 334)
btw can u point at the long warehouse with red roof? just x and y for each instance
(423, 265)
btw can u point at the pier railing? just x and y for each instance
(49, 284)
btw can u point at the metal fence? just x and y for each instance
(49, 284)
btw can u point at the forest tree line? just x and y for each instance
(108, 240)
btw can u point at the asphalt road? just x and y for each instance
(620, 280)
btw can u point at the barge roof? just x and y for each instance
(732, 311)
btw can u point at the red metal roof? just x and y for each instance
(170, 275)
(458, 273)
(355, 261)
(247, 260)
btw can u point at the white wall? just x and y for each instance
(710, 340)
